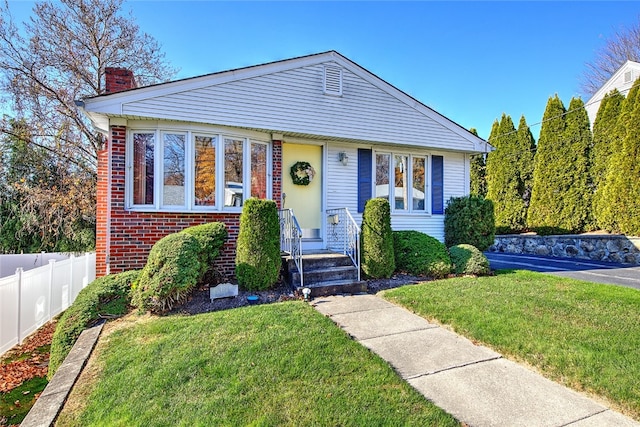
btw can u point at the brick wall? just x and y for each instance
(132, 234)
(276, 149)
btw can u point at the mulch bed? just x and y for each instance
(200, 301)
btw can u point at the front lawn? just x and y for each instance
(582, 334)
(268, 365)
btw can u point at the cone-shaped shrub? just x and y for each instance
(172, 271)
(377, 241)
(527, 147)
(603, 135)
(503, 178)
(550, 170)
(577, 140)
(468, 259)
(469, 220)
(419, 253)
(608, 200)
(258, 248)
(622, 188)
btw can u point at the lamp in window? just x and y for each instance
(343, 158)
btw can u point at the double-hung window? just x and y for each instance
(403, 180)
(194, 171)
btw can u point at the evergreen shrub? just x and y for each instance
(419, 253)
(468, 259)
(105, 296)
(551, 231)
(258, 259)
(211, 237)
(469, 220)
(377, 239)
(172, 271)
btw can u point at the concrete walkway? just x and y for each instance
(472, 383)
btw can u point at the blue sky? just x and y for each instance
(470, 61)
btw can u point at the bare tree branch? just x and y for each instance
(623, 46)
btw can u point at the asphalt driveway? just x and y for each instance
(593, 271)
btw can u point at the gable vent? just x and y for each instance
(628, 76)
(333, 81)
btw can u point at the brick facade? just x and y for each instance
(124, 238)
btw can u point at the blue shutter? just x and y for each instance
(364, 177)
(437, 185)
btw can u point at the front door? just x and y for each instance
(305, 200)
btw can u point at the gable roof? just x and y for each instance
(275, 97)
(622, 80)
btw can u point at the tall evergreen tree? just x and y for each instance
(610, 196)
(576, 202)
(527, 147)
(478, 172)
(604, 128)
(503, 179)
(626, 176)
(549, 173)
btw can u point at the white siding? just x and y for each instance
(342, 191)
(293, 101)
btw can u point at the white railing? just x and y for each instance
(291, 239)
(29, 299)
(343, 235)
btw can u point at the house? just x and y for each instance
(193, 150)
(622, 80)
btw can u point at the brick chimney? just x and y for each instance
(118, 79)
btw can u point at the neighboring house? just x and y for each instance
(193, 150)
(622, 80)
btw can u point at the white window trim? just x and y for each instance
(189, 205)
(427, 191)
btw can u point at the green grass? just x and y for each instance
(14, 414)
(268, 365)
(582, 334)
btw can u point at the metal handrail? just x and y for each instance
(291, 239)
(343, 235)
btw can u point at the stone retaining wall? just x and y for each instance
(612, 248)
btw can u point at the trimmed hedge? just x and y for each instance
(258, 259)
(172, 271)
(468, 259)
(377, 240)
(211, 237)
(419, 253)
(105, 296)
(469, 220)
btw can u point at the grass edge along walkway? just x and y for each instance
(581, 334)
(277, 364)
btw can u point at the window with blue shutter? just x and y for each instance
(364, 177)
(437, 185)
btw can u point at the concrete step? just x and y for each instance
(320, 261)
(324, 275)
(337, 287)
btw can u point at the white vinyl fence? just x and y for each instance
(10, 262)
(29, 299)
